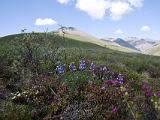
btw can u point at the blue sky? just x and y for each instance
(101, 18)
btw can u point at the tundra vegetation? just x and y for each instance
(50, 77)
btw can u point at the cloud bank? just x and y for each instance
(63, 1)
(97, 9)
(145, 28)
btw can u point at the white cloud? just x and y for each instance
(63, 1)
(119, 31)
(46, 21)
(145, 28)
(118, 9)
(97, 9)
(136, 3)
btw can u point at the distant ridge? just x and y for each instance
(124, 43)
(141, 44)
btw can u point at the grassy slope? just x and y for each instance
(154, 51)
(100, 55)
(99, 42)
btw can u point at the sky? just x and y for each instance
(101, 18)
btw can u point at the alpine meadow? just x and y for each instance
(79, 60)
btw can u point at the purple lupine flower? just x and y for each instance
(82, 65)
(72, 67)
(64, 67)
(60, 69)
(120, 79)
(158, 93)
(100, 69)
(114, 109)
(92, 66)
(93, 73)
(105, 69)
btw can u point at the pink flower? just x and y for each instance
(113, 82)
(147, 90)
(114, 109)
(145, 86)
(148, 93)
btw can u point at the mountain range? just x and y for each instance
(145, 46)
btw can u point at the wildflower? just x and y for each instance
(101, 69)
(13, 97)
(147, 90)
(126, 93)
(19, 95)
(114, 109)
(82, 65)
(123, 88)
(158, 94)
(105, 69)
(120, 79)
(93, 71)
(92, 66)
(61, 69)
(114, 82)
(72, 67)
(37, 92)
(156, 105)
(148, 93)
(103, 88)
(145, 86)
(94, 75)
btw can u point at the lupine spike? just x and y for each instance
(120, 79)
(82, 65)
(92, 66)
(72, 67)
(61, 69)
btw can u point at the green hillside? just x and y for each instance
(84, 37)
(32, 86)
(99, 54)
(70, 43)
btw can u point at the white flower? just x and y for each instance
(37, 92)
(13, 97)
(103, 88)
(19, 95)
